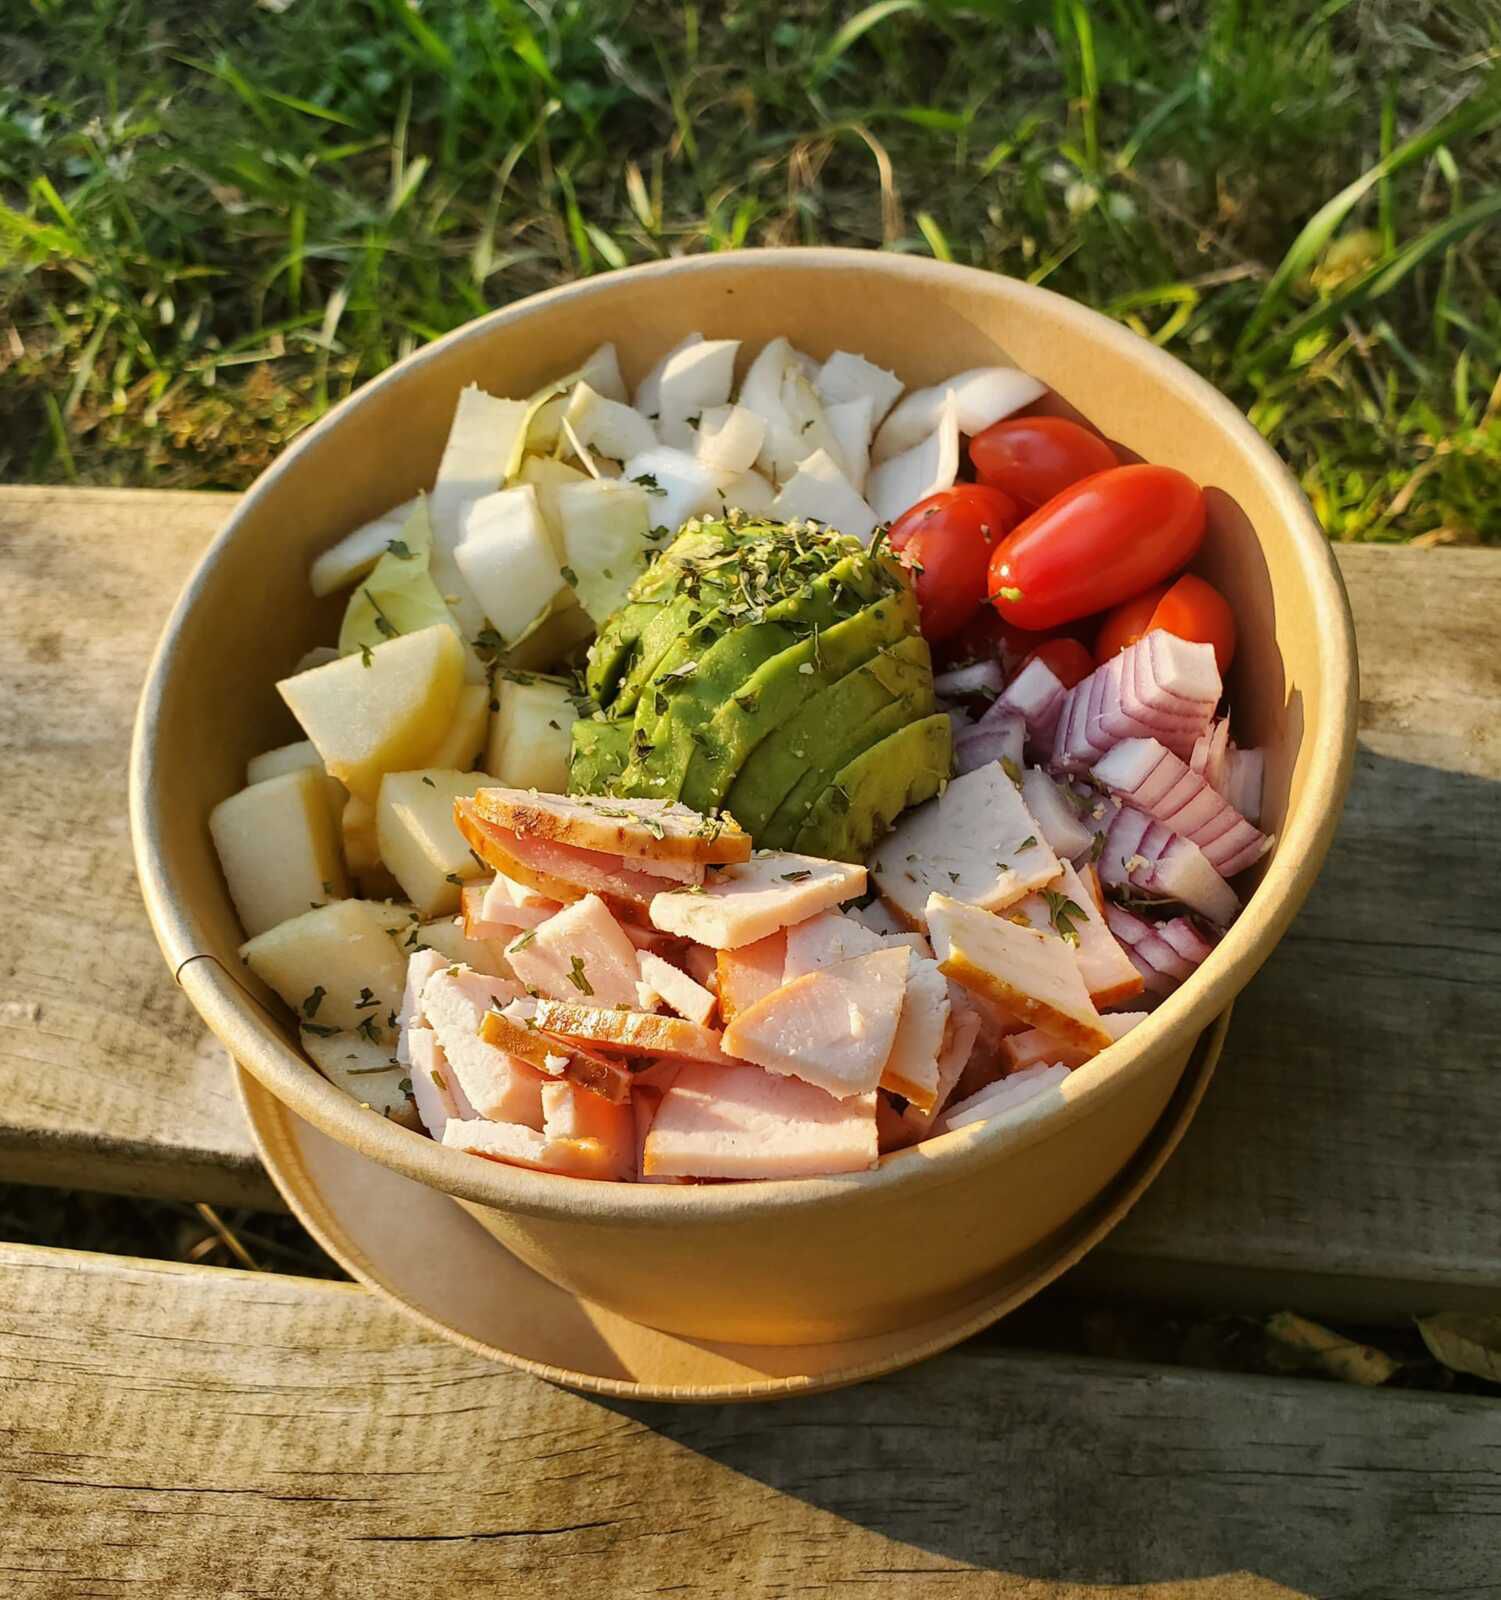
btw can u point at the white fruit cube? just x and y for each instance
(507, 558)
(366, 1071)
(381, 712)
(337, 966)
(729, 438)
(529, 734)
(418, 840)
(277, 845)
(606, 426)
(549, 478)
(819, 492)
(693, 380)
(606, 543)
(356, 553)
(463, 746)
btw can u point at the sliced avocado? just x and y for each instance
(619, 641)
(780, 686)
(869, 794)
(672, 717)
(600, 753)
(788, 772)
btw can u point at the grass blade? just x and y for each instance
(1322, 226)
(930, 231)
(856, 28)
(1378, 280)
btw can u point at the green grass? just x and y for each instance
(217, 219)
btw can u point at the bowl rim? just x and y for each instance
(244, 1025)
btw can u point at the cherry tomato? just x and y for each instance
(1068, 657)
(1034, 458)
(1126, 624)
(1095, 544)
(948, 540)
(1196, 610)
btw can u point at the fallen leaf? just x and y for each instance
(1342, 1358)
(1465, 1341)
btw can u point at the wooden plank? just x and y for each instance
(107, 1077)
(1352, 1134)
(1348, 1155)
(206, 1432)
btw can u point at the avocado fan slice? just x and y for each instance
(672, 714)
(688, 564)
(786, 775)
(869, 794)
(782, 685)
(599, 755)
(619, 640)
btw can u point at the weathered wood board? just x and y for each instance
(209, 1432)
(1348, 1154)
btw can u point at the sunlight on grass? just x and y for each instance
(216, 220)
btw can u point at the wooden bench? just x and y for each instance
(199, 1429)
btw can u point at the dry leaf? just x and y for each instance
(1340, 1357)
(1465, 1341)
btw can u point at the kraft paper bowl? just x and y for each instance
(929, 1229)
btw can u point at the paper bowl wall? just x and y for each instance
(776, 1262)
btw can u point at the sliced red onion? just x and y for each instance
(1166, 692)
(1246, 769)
(1186, 939)
(1168, 951)
(1056, 819)
(1151, 857)
(1184, 669)
(978, 678)
(1155, 780)
(1038, 693)
(993, 738)
(1210, 752)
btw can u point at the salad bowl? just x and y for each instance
(928, 1229)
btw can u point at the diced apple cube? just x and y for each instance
(338, 966)
(508, 560)
(382, 712)
(730, 438)
(278, 848)
(366, 1071)
(693, 380)
(529, 733)
(606, 541)
(462, 748)
(614, 430)
(356, 553)
(819, 492)
(418, 839)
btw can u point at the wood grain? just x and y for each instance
(107, 1077)
(1348, 1155)
(209, 1432)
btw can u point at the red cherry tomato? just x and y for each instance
(1196, 610)
(1034, 458)
(1096, 544)
(1068, 657)
(1126, 624)
(948, 540)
